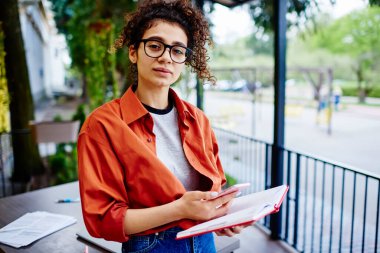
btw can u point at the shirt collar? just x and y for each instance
(181, 107)
(132, 109)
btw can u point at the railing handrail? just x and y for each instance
(242, 135)
(335, 163)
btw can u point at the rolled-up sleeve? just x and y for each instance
(103, 196)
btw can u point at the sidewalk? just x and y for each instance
(362, 109)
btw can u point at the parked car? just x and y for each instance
(223, 85)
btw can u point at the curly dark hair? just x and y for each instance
(180, 12)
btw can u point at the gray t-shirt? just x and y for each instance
(169, 146)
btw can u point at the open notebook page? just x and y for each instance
(245, 209)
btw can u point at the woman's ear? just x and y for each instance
(132, 54)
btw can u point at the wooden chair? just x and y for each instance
(49, 133)
(45, 132)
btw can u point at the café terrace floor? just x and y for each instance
(254, 240)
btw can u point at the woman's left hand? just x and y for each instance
(231, 231)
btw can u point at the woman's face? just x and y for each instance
(159, 72)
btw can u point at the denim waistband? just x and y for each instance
(166, 234)
(165, 241)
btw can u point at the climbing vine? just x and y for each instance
(99, 64)
(4, 96)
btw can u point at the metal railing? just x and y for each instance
(329, 207)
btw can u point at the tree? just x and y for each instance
(299, 11)
(356, 35)
(27, 160)
(262, 12)
(261, 43)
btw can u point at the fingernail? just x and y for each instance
(214, 194)
(238, 194)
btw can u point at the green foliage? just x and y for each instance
(57, 118)
(80, 114)
(262, 12)
(239, 54)
(232, 51)
(90, 28)
(74, 18)
(99, 64)
(350, 91)
(63, 164)
(355, 35)
(300, 54)
(353, 91)
(4, 96)
(58, 162)
(261, 43)
(230, 180)
(375, 92)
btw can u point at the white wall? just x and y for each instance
(46, 51)
(33, 43)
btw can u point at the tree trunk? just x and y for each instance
(360, 78)
(27, 159)
(362, 96)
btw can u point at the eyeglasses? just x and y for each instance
(155, 49)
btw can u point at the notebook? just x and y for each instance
(244, 210)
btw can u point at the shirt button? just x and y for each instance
(149, 139)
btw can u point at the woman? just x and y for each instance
(148, 162)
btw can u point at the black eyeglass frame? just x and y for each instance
(187, 54)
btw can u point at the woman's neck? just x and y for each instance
(157, 98)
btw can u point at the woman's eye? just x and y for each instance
(178, 51)
(154, 46)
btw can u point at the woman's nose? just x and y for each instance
(166, 55)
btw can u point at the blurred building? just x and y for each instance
(46, 51)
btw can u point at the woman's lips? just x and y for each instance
(162, 70)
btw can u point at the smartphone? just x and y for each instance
(231, 189)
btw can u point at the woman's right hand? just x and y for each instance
(201, 206)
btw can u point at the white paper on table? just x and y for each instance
(33, 226)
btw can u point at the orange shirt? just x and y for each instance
(119, 169)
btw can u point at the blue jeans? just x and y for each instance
(165, 242)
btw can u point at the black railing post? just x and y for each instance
(279, 108)
(199, 94)
(297, 201)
